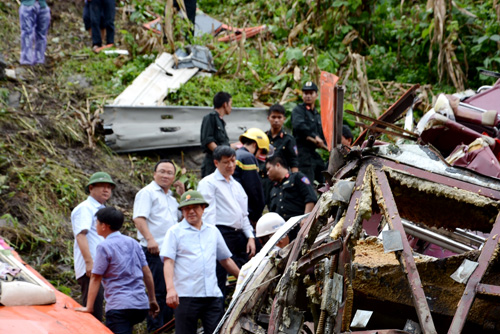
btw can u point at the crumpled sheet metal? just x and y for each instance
(340, 193)
(488, 99)
(421, 157)
(459, 195)
(482, 161)
(445, 134)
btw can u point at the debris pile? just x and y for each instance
(402, 241)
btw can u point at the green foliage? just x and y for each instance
(145, 10)
(199, 91)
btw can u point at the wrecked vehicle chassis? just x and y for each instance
(337, 265)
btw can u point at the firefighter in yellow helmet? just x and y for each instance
(255, 143)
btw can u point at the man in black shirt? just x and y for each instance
(292, 193)
(283, 143)
(213, 130)
(308, 132)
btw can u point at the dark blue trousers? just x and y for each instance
(166, 313)
(102, 10)
(123, 321)
(236, 241)
(209, 309)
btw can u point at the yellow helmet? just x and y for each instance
(258, 136)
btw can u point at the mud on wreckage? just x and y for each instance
(404, 241)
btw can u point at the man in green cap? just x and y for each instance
(189, 253)
(83, 221)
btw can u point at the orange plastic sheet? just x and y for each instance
(58, 318)
(327, 103)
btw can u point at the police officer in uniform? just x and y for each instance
(283, 143)
(308, 132)
(213, 130)
(292, 193)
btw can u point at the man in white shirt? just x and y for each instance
(228, 210)
(83, 222)
(155, 211)
(190, 251)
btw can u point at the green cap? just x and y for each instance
(192, 197)
(99, 177)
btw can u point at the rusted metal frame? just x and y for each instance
(344, 257)
(379, 122)
(250, 326)
(391, 213)
(470, 290)
(317, 254)
(349, 167)
(338, 113)
(394, 111)
(447, 181)
(388, 132)
(279, 300)
(303, 233)
(353, 203)
(487, 289)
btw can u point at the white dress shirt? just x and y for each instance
(195, 253)
(228, 203)
(83, 219)
(159, 209)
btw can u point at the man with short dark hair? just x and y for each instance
(155, 211)
(283, 143)
(292, 193)
(347, 136)
(308, 132)
(100, 187)
(122, 268)
(213, 130)
(190, 251)
(228, 210)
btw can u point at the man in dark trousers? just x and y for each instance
(83, 220)
(308, 132)
(283, 143)
(155, 211)
(228, 210)
(255, 143)
(102, 14)
(292, 193)
(213, 130)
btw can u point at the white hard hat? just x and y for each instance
(268, 224)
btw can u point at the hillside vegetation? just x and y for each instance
(51, 141)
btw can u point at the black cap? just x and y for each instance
(309, 85)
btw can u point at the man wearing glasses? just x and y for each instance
(155, 211)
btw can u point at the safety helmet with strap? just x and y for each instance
(258, 136)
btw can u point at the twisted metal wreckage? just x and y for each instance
(402, 242)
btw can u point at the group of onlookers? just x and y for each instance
(186, 249)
